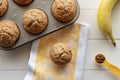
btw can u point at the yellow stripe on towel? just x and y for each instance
(45, 69)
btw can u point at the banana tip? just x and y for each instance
(114, 44)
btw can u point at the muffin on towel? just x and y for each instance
(60, 53)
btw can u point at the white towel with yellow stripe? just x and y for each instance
(40, 67)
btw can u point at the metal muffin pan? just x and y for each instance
(15, 13)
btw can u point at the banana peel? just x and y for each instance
(104, 18)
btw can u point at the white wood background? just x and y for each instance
(13, 64)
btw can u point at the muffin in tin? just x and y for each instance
(34, 21)
(23, 2)
(3, 7)
(64, 10)
(9, 33)
(61, 53)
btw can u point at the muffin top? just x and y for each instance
(9, 33)
(23, 2)
(60, 53)
(64, 10)
(3, 7)
(34, 21)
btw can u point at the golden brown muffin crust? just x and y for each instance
(64, 10)
(34, 21)
(3, 7)
(60, 53)
(23, 2)
(9, 33)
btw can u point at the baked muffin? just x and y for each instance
(23, 2)
(34, 21)
(64, 10)
(60, 53)
(3, 7)
(9, 33)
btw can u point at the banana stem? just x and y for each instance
(112, 39)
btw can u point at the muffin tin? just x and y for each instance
(15, 13)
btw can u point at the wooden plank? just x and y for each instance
(87, 75)
(87, 4)
(12, 75)
(101, 46)
(15, 59)
(93, 4)
(90, 17)
(99, 75)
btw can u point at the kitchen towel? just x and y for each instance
(40, 66)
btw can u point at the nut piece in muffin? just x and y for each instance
(34, 21)
(60, 53)
(3, 7)
(9, 33)
(23, 2)
(64, 10)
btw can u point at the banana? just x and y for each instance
(104, 18)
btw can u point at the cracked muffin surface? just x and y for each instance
(64, 10)
(3, 7)
(9, 33)
(34, 21)
(60, 53)
(23, 2)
